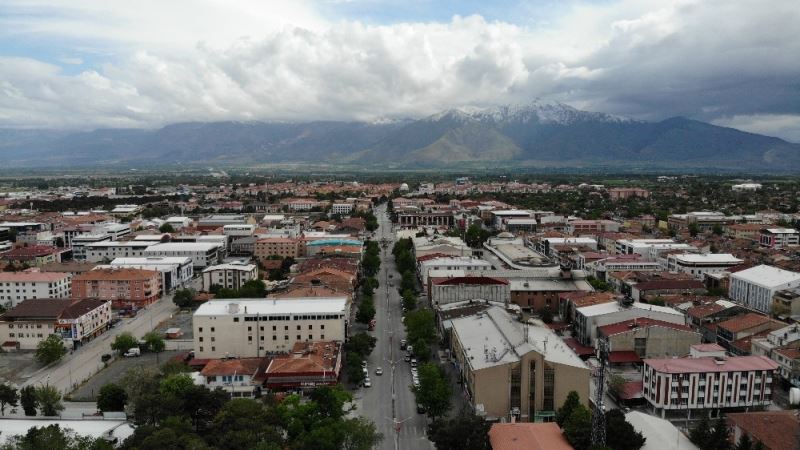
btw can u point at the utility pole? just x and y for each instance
(598, 417)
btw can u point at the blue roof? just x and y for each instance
(326, 242)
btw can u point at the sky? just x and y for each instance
(85, 64)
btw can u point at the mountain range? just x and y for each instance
(537, 134)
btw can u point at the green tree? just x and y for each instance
(573, 401)
(8, 397)
(366, 310)
(112, 397)
(409, 300)
(183, 298)
(353, 368)
(244, 423)
(463, 432)
(616, 383)
(476, 236)
(49, 400)
(693, 229)
(253, 289)
(578, 428)
(50, 349)
(701, 433)
(719, 436)
(360, 344)
(176, 385)
(745, 443)
(154, 342)
(433, 391)
(717, 229)
(620, 435)
(54, 437)
(27, 399)
(124, 342)
(166, 228)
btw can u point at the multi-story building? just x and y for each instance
(100, 251)
(254, 328)
(125, 288)
(34, 255)
(229, 276)
(283, 247)
(698, 265)
(202, 254)
(307, 366)
(708, 383)
(444, 291)
(589, 318)
(625, 193)
(510, 370)
(24, 326)
(779, 237)
(5, 239)
(786, 303)
(18, 286)
(755, 287)
(426, 219)
(341, 208)
(743, 326)
(582, 227)
(648, 338)
(450, 263)
(175, 271)
(80, 241)
(650, 248)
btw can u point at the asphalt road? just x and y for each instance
(389, 403)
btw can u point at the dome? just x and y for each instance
(404, 187)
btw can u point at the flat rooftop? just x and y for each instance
(767, 276)
(330, 305)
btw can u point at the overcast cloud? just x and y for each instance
(95, 63)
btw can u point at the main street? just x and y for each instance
(390, 402)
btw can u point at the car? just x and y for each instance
(367, 382)
(403, 344)
(133, 352)
(420, 408)
(410, 348)
(365, 370)
(379, 371)
(364, 363)
(413, 362)
(407, 358)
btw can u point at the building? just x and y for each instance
(527, 436)
(215, 221)
(307, 366)
(106, 251)
(240, 377)
(444, 220)
(647, 338)
(775, 430)
(755, 287)
(650, 248)
(513, 370)
(534, 294)
(282, 247)
(175, 271)
(34, 255)
(80, 241)
(125, 288)
(202, 254)
(334, 246)
(341, 209)
(5, 239)
(746, 187)
(698, 265)
(450, 263)
(253, 328)
(743, 326)
(444, 291)
(589, 318)
(625, 193)
(786, 303)
(178, 223)
(645, 290)
(18, 286)
(779, 237)
(708, 383)
(229, 276)
(76, 321)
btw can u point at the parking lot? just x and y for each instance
(116, 370)
(16, 367)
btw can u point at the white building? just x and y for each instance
(341, 208)
(175, 271)
(5, 239)
(239, 230)
(650, 248)
(588, 318)
(80, 242)
(18, 286)
(546, 244)
(451, 263)
(178, 222)
(755, 287)
(202, 254)
(27, 324)
(698, 265)
(708, 383)
(779, 237)
(110, 250)
(229, 276)
(746, 187)
(256, 327)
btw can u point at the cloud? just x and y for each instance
(727, 62)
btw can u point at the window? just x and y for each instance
(201, 338)
(212, 329)
(286, 337)
(322, 336)
(235, 319)
(201, 349)
(274, 328)
(274, 338)
(249, 338)
(310, 337)
(213, 349)
(212, 339)
(322, 327)
(298, 328)
(298, 337)
(311, 327)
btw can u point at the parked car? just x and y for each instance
(367, 382)
(407, 358)
(379, 371)
(133, 352)
(403, 344)
(105, 357)
(409, 348)
(413, 362)
(420, 408)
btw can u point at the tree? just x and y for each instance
(360, 344)
(50, 350)
(355, 373)
(166, 228)
(8, 397)
(693, 229)
(253, 289)
(745, 443)
(476, 236)
(572, 402)
(719, 436)
(49, 400)
(112, 397)
(55, 437)
(154, 342)
(463, 432)
(701, 433)
(27, 399)
(366, 310)
(244, 423)
(578, 428)
(620, 435)
(409, 300)
(616, 383)
(433, 391)
(717, 229)
(183, 298)
(546, 314)
(124, 342)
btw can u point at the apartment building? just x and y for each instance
(202, 254)
(743, 326)
(282, 247)
(125, 288)
(451, 263)
(76, 321)
(254, 328)
(512, 371)
(341, 208)
(34, 255)
(18, 286)
(100, 251)
(708, 383)
(650, 248)
(589, 318)
(648, 338)
(698, 265)
(307, 366)
(625, 193)
(755, 287)
(444, 291)
(779, 237)
(175, 271)
(229, 276)
(5, 239)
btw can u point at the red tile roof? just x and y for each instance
(238, 366)
(654, 285)
(468, 280)
(527, 436)
(623, 356)
(709, 364)
(632, 324)
(743, 322)
(117, 274)
(578, 348)
(762, 426)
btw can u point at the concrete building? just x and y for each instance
(239, 377)
(441, 245)
(703, 384)
(589, 318)
(779, 237)
(755, 287)
(238, 230)
(175, 271)
(698, 265)
(80, 241)
(283, 247)
(650, 248)
(76, 321)
(18, 286)
(341, 209)
(625, 193)
(178, 223)
(746, 187)
(743, 326)
(786, 303)
(220, 220)
(202, 254)
(125, 288)
(5, 239)
(254, 328)
(229, 276)
(444, 220)
(450, 263)
(101, 251)
(510, 369)
(444, 291)
(307, 366)
(648, 338)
